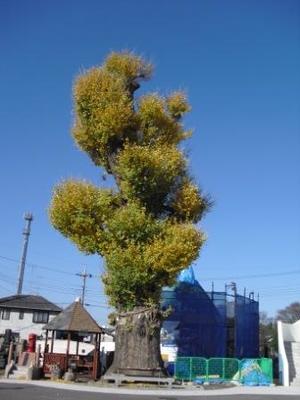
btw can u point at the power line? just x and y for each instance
(55, 290)
(270, 291)
(7, 277)
(74, 288)
(49, 286)
(97, 292)
(4, 288)
(52, 258)
(253, 276)
(98, 305)
(39, 266)
(223, 278)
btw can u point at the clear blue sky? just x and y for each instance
(239, 62)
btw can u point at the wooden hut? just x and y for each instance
(73, 323)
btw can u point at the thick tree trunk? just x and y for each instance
(137, 350)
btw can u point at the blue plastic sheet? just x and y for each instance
(209, 324)
(252, 375)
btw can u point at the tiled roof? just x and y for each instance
(28, 302)
(74, 318)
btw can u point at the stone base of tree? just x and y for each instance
(120, 378)
(158, 372)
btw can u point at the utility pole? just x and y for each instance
(26, 232)
(83, 275)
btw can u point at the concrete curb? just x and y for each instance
(274, 390)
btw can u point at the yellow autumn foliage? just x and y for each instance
(156, 123)
(175, 248)
(104, 113)
(80, 211)
(128, 65)
(177, 104)
(189, 204)
(131, 224)
(149, 173)
(144, 228)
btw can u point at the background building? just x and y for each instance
(209, 324)
(25, 314)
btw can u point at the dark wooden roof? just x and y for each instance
(74, 318)
(28, 302)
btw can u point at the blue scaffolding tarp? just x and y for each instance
(209, 324)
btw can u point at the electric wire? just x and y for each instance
(270, 291)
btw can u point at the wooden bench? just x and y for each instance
(119, 378)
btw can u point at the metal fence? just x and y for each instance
(247, 371)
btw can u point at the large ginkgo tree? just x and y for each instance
(145, 226)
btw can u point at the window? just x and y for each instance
(21, 315)
(5, 314)
(40, 317)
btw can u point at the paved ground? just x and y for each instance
(29, 392)
(43, 390)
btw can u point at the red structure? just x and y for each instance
(74, 322)
(31, 343)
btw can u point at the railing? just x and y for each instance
(54, 359)
(255, 371)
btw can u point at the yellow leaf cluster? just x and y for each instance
(177, 104)
(175, 248)
(128, 280)
(189, 204)
(158, 119)
(131, 224)
(79, 211)
(104, 113)
(138, 271)
(149, 172)
(128, 65)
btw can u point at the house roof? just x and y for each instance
(28, 302)
(74, 318)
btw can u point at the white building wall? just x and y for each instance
(60, 346)
(107, 343)
(286, 333)
(23, 326)
(291, 332)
